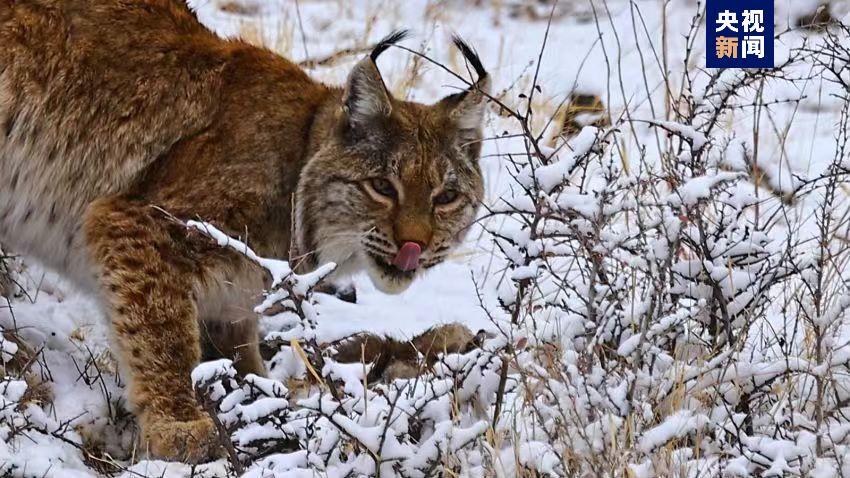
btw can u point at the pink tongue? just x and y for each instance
(408, 256)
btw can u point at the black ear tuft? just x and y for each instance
(466, 109)
(387, 42)
(470, 56)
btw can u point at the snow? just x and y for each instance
(700, 188)
(675, 426)
(208, 371)
(539, 456)
(8, 349)
(552, 175)
(689, 133)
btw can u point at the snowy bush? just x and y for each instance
(337, 422)
(668, 314)
(32, 442)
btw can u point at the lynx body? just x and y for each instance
(121, 118)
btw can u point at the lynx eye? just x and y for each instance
(445, 197)
(383, 187)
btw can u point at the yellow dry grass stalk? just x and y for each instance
(296, 346)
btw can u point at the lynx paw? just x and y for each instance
(194, 441)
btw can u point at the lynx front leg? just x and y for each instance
(146, 281)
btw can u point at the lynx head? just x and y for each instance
(394, 185)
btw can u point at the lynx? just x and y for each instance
(119, 119)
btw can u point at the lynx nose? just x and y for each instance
(407, 258)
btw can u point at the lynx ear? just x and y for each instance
(366, 97)
(466, 109)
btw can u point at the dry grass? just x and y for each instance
(581, 110)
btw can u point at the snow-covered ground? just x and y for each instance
(611, 49)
